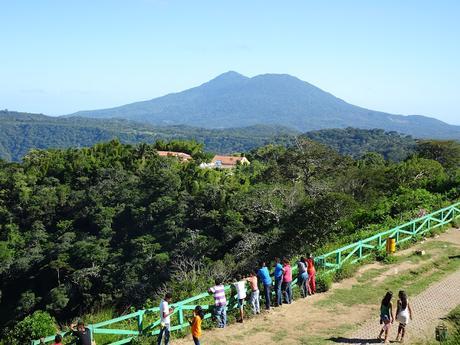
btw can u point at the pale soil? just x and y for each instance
(306, 321)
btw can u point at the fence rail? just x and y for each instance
(351, 253)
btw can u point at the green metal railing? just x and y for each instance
(331, 261)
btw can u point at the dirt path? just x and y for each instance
(349, 312)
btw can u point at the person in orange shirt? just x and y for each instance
(198, 317)
(311, 274)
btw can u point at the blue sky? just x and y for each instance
(59, 56)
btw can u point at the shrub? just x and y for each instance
(34, 326)
(384, 257)
(323, 281)
(347, 270)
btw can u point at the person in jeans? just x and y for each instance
(302, 277)
(287, 280)
(264, 276)
(240, 286)
(220, 303)
(255, 293)
(278, 274)
(165, 319)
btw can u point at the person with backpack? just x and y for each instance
(386, 316)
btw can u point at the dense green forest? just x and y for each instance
(117, 225)
(356, 142)
(21, 132)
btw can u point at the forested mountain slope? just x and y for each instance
(233, 100)
(21, 132)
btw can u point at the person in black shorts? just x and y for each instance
(82, 333)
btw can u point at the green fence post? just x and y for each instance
(380, 241)
(181, 316)
(360, 249)
(397, 236)
(140, 319)
(338, 258)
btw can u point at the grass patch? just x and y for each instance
(370, 274)
(279, 336)
(413, 281)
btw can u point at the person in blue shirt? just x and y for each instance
(264, 276)
(278, 274)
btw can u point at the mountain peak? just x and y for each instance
(234, 100)
(227, 78)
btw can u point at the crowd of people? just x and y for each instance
(262, 277)
(402, 315)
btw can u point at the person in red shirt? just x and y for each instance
(310, 262)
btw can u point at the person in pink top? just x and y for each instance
(287, 280)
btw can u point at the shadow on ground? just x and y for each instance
(343, 340)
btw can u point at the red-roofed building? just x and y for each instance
(228, 161)
(181, 155)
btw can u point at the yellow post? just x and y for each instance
(391, 245)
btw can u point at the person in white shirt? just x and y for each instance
(240, 286)
(165, 319)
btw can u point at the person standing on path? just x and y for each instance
(165, 319)
(403, 315)
(195, 324)
(386, 315)
(287, 280)
(311, 274)
(240, 286)
(220, 303)
(264, 276)
(278, 274)
(255, 293)
(302, 277)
